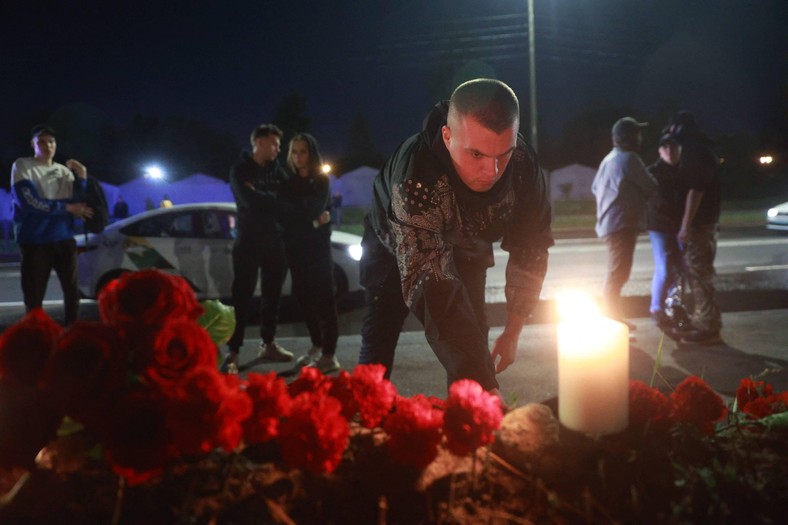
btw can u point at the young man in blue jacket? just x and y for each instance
(47, 197)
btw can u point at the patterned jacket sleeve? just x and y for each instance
(527, 239)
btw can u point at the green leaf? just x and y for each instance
(218, 320)
(775, 420)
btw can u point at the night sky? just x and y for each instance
(229, 63)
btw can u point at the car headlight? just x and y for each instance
(354, 251)
(772, 212)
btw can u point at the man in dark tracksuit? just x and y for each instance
(255, 180)
(467, 180)
(699, 175)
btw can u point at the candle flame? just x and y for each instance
(574, 305)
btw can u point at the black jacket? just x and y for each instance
(699, 169)
(301, 201)
(665, 208)
(256, 190)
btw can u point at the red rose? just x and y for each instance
(471, 417)
(314, 436)
(696, 404)
(27, 423)
(26, 346)
(415, 431)
(134, 435)
(178, 347)
(205, 410)
(310, 379)
(270, 403)
(373, 394)
(87, 366)
(750, 390)
(648, 407)
(147, 298)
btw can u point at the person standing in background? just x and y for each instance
(46, 196)
(663, 217)
(699, 175)
(255, 181)
(306, 220)
(621, 187)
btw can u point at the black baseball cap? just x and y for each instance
(41, 129)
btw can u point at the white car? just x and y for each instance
(777, 217)
(194, 241)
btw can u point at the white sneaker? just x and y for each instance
(326, 364)
(311, 356)
(273, 353)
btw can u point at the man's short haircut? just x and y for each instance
(490, 102)
(263, 130)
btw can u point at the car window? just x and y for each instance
(218, 224)
(176, 225)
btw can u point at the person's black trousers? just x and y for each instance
(38, 261)
(313, 286)
(249, 260)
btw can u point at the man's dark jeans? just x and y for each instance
(249, 259)
(38, 261)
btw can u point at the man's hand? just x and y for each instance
(505, 351)
(78, 167)
(683, 235)
(324, 218)
(80, 210)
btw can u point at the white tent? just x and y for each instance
(195, 188)
(571, 183)
(356, 187)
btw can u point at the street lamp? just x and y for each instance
(154, 172)
(532, 71)
(326, 168)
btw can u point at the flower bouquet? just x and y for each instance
(128, 420)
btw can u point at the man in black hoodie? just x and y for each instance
(255, 180)
(467, 180)
(699, 176)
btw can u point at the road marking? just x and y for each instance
(766, 268)
(48, 302)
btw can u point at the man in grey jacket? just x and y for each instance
(622, 186)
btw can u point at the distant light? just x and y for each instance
(772, 213)
(154, 172)
(766, 159)
(326, 168)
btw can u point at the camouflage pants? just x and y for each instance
(698, 254)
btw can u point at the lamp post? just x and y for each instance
(532, 76)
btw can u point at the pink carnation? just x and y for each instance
(415, 431)
(471, 417)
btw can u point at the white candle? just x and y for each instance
(593, 373)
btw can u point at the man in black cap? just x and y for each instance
(622, 186)
(47, 198)
(699, 176)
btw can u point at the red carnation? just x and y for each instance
(147, 298)
(471, 417)
(179, 347)
(766, 406)
(696, 404)
(342, 390)
(314, 435)
(270, 402)
(26, 346)
(415, 431)
(373, 394)
(87, 366)
(750, 390)
(310, 379)
(205, 410)
(648, 407)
